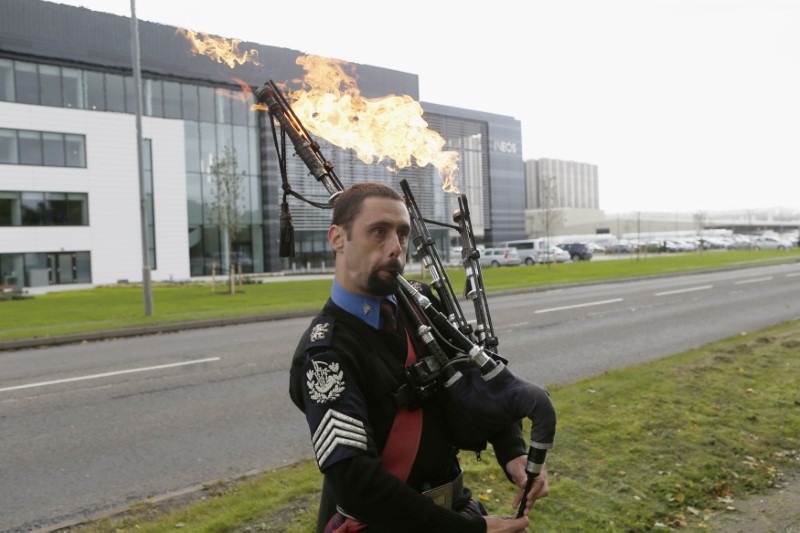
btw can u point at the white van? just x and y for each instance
(531, 251)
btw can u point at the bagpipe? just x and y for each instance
(481, 395)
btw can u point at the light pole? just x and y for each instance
(147, 288)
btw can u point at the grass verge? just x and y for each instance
(671, 443)
(120, 306)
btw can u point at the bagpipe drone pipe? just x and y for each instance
(482, 396)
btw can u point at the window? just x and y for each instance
(72, 88)
(50, 85)
(53, 147)
(9, 209)
(172, 99)
(26, 83)
(189, 102)
(115, 93)
(153, 98)
(9, 152)
(43, 208)
(32, 208)
(95, 90)
(6, 80)
(75, 150)
(30, 147)
(24, 147)
(206, 104)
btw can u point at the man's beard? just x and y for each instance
(384, 287)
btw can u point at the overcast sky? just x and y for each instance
(684, 105)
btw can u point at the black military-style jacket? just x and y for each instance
(341, 376)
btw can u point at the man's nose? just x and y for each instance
(395, 245)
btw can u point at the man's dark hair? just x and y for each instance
(348, 204)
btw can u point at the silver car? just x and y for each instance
(496, 257)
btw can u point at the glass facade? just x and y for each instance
(45, 268)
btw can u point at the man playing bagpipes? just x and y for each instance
(386, 446)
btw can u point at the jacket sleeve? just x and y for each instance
(372, 495)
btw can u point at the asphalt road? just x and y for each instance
(88, 428)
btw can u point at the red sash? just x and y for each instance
(401, 446)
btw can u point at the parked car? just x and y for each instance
(555, 255)
(577, 251)
(496, 257)
(770, 243)
(531, 251)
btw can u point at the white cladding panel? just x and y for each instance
(111, 180)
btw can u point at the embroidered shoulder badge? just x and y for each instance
(325, 381)
(318, 332)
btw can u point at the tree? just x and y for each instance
(226, 208)
(549, 214)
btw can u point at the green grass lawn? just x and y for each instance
(673, 443)
(120, 306)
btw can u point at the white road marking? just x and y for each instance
(108, 374)
(689, 289)
(793, 275)
(601, 302)
(754, 280)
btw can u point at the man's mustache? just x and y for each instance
(392, 264)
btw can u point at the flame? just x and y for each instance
(391, 127)
(330, 106)
(219, 49)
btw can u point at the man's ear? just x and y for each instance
(336, 236)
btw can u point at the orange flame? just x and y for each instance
(331, 106)
(391, 127)
(219, 49)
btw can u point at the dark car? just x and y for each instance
(577, 251)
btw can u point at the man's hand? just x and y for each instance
(516, 471)
(495, 524)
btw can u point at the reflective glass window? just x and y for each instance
(75, 146)
(208, 145)
(53, 149)
(95, 90)
(256, 216)
(190, 102)
(130, 95)
(240, 144)
(9, 208)
(32, 208)
(240, 109)
(8, 146)
(255, 167)
(30, 147)
(172, 99)
(194, 193)
(55, 209)
(50, 85)
(83, 267)
(72, 87)
(206, 104)
(191, 135)
(78, 209)
(26, 83)
(225, 139)
(115, 93)
(153, 98)
(223, 103)
(6, 80)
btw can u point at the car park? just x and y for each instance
(497, 257)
